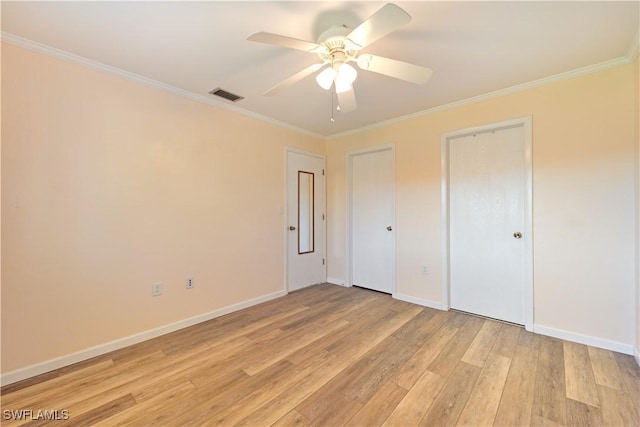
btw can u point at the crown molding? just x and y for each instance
(98, 66)
(613, 63)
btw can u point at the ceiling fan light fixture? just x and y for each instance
(346, 75)
(325, 78)
(345, 78)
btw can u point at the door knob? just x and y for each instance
(291, 227)
(389, 228)
(517, 235)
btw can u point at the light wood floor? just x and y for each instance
(329, 355)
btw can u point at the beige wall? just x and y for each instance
(109, 186)
(583, 199)
(637, 81)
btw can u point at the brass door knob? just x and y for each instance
(389, 228)
(291, 227)
(517, 235)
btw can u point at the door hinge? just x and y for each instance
(322, 261)
(322, 172)
(323, 217)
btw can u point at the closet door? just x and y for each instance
(487, 178)
(372, 220)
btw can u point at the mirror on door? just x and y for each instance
(305, 212)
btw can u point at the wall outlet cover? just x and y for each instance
(156, 289)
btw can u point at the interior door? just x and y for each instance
(372, 220)
(305, 220)
(487, 221)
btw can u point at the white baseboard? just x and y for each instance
(334, 281)
(418, 301)
(60, 362)
(585, 339)
(636, 355)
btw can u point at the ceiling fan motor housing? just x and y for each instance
(338, 51)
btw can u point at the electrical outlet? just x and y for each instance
(189, 283)
(156, 289)
(425, 269)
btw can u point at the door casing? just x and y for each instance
(526, 123)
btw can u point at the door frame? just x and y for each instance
(284, 210)
(526, 124)
(349, 187)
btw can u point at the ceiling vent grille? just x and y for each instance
(226, 95)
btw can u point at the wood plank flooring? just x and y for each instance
(328, 355)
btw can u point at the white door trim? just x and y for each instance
(349, 246)
(284, 211)
(524, 122)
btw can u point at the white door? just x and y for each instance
(487, 178)
(305, 220)
(372, 212)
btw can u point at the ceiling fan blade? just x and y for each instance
(347, 100)
(293, 79)
(290, 42)
(387, 19)
(398, 69)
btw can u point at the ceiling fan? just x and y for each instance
(339, 45)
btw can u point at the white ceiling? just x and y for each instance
(473, 48)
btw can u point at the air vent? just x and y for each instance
(226, 95)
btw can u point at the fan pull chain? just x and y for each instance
(332, 120)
